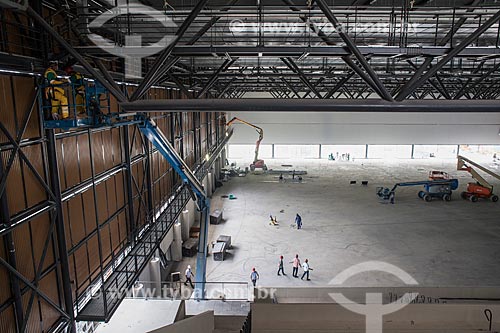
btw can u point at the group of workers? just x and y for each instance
(254, 276)
(56, 94)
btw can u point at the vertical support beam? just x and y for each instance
(272, 153)
(61, 233)
(319, 156)
(412, 152)
(149, 182)
(11, 253)
(128, 182)
(366, 151)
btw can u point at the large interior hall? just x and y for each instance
(249, 166)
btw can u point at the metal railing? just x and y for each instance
(225, 291)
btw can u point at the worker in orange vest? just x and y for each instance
(55, 93)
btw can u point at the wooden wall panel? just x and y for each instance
(24, 92)
(40, 228)
(84, 156)
(7, 321)
(97, 152)
(89, 211)
(21, 236)
(49, 314)
(102, 207)
(15, 194)
(6, 107)
(70, 162)
(4, 279)
(35, 192)
(74, 220)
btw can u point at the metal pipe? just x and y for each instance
(128, 181)
(61, 233)
(312, 105)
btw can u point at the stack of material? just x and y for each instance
(190, 247)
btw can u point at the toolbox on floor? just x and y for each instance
(190, 247)
(216, 217)
(219, 251)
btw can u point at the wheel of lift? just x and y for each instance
(427, 198)
(473, 198)
(421, 194)
(494, 198)
(447, 197)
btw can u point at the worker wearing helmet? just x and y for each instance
(189, 275)
(77, 83)
(55, 93)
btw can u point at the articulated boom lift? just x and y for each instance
(257, 163)
(481, 188)
(441, 188)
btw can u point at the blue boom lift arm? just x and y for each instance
(149, 128)
(385, 193)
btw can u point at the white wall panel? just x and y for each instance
(369, 128)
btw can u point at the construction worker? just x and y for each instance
(77, 83)
(189, 275)
(254, 276)
(298, 221)
(55, 93)
(281, 268)
(295, 265)
(306, 268)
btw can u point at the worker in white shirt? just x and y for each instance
(189, 275)
(306, 268)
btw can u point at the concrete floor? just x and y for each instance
(439, 243)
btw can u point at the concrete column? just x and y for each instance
(176, 247)
(185, 224)
(155, 276)
(209, 188)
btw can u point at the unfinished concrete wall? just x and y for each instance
(366, 128)
(328, 318)
(202, 323)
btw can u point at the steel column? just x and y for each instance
(60, 229)
(11, 253)
(128, 182)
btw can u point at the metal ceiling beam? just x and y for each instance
(462, 91)
(466, 42)
(314, 51)
(312, 105)
(431, 82)
(152, 75)
(339, 85)
(215, 76)
(457, 25)
(291, 64)
(351, 45)
(363, 75)
(180, 85)
(404, 91)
